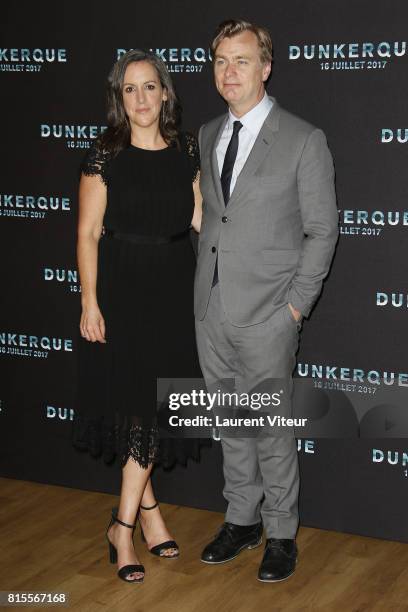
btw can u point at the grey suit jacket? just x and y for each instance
(276, 237)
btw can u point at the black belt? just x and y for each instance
(140, 239)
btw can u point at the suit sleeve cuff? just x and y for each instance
(298, 303)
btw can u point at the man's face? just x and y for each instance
(238, 72)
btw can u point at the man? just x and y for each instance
(267, 238)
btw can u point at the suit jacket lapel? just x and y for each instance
(264, 142)
(214, 161)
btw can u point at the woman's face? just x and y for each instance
(143, 94)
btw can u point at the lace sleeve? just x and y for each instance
(95, 162)
(193, 152)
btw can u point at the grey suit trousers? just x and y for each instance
(261, 473)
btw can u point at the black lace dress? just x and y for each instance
(145, 293)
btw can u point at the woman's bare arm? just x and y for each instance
(198, 205)
(92, 205)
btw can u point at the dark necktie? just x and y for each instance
(226, 175)
(229, 161)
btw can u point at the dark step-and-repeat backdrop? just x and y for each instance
(343, 66)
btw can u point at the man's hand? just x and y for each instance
(296, 314)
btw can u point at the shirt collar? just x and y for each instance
(253, 119)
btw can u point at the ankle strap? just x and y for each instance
(149, 507)
(115, 518)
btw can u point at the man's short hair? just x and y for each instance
(232, 27)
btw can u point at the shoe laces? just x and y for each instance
(275, 546)
(225, 532)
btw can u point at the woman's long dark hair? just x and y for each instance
(117, 135)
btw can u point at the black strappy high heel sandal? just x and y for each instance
(160, 548)
(126, 570)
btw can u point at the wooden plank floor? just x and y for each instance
(52, 538)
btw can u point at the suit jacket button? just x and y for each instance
(213, 249)
(224, 219)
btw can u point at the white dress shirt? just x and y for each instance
(252, 122)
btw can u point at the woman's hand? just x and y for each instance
(92, 324)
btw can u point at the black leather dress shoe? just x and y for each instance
(279, 560)
(230, 540)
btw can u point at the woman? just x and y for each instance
(138, 198)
